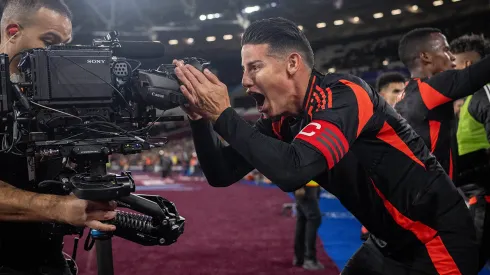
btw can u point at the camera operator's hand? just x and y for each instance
(207, 95)
(77, 212)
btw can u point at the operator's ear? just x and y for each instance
(294, 62)
(467, 63)
(13, 31)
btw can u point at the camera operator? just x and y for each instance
(26, 246)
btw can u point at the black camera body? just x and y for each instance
(67, 76)
(82, 104)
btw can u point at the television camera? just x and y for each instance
(80, 104)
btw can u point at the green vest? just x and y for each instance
(471, 134)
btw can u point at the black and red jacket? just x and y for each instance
(427, 105)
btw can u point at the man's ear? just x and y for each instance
(425, 57)
(294, 62)
(467, 63)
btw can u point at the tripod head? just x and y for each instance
(158, 221)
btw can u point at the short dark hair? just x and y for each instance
(23, 9)
(470, 43)
(387, 78)
(281, 35)
(412, 43)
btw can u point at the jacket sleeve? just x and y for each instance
(221, 164)
(454, 84)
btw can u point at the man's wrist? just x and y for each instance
(194, 117)
(215, 118)
(47, 206)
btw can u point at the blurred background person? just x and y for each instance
(165, 163)
(473, 139)
(390, 86)
(308, 220)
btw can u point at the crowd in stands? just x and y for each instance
(179, 153)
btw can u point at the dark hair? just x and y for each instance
(470, 43)
(412, 43)
(24, 9)
(281, 35)
(387, 78)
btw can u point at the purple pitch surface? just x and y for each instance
(234, 230)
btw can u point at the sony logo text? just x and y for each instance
(96, 61)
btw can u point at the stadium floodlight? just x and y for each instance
(321, 25)
(251, 9)
(378, 15)
(355, 20)
(413, 9)
(396, 12)
(437, 3)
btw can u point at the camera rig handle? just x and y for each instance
(160, 223)
(156, 223)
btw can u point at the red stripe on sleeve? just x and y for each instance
(438, 253)
(434, 128)
(312, 134)
(430, 96)
(310, 112)
(389, 135)
(329, 98)
(323, 99)
(276, 127)
(329, 143)
(339, 137)
(318, 101)
(364, 104)
(337, 144)
(450, 164)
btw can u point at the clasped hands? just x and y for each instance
(206, 94)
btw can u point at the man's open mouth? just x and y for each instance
(259, 98)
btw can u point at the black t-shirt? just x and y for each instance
(24, 245)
